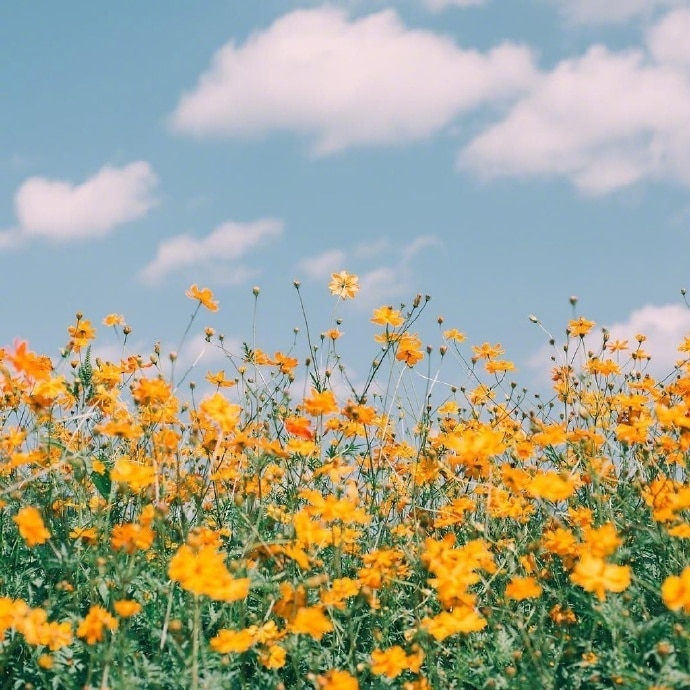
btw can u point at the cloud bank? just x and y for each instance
(347, 82)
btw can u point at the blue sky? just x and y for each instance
(499, 156)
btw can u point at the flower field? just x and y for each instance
(285, 528)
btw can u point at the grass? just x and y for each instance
(376, 535)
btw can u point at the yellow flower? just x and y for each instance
(91, 629)
(523, 588)
(232, 641)
(337, 680)
(31, 526)
(580, 327)
(393, 661)
(318, 404)
(387, 316)
(344, 285)
(126, 607)
(273, 656)
(311, 621)
(675, 591)
(596, 575)
(114, 320)
(204, 295)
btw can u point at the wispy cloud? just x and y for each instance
(605, 120)
(347, 82)
(228, 243)
(611, 11)
(439, 5)
(60, 210)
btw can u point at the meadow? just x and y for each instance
(286, 528)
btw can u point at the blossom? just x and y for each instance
(204, 295)
(337, 680)
(92, 627)
(126, 607)
(31, 526)
(236, 641)
(344, 285)
(675, 591)
(387, 316)
(393, 661)
(311, 620)
(523, 588)
(596, 575)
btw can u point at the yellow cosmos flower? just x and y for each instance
(344, 285)
(204, 295)
(31, 526)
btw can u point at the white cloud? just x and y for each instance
(342, 82)
(611, 11)
(665, 327)
(228, 242)
(604, 120)
(669, 40)
(61, 210)
(439, 5)
(322, 265)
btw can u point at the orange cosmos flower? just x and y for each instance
(675, 591)
(232, 641)
(337, 680)
(344, 285)
(387, 316)
(393, 661)
(318, 404)
(409, 349)
(596, 575)
(520, 588)
(205, 297)
(580, 327)
(311, 621)
(273, 656)
(92, 628)
(126, 607)
(31, 526)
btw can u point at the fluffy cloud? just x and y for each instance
(611, 11)
(228, 242)
(664, 326)
(604, 120)
(60, 210)
(347, 82)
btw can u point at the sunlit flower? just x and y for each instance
(125, 608)
(31, 526)
(232, 641)
(93, 626)
(523, 588)
(675, 591)
(597, 576)
(311, 621)
(344, 285)
(204, 295)
(337, 680)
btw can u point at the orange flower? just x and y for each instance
(235, 641)
(596, 575)
(273, 657)
(126, 607)
(31, 526)
(318, 404)
(91, 629)
(580, 327)
(393, 661)
(387, 316)
(675, 591)
(337, 680)
(311, 621)
(523, 588)
(409, 349)
(204, 572)
(205, 297)
(344, 285)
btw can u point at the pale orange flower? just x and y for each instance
(204, 295)
(344, 285)
(31, 526)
